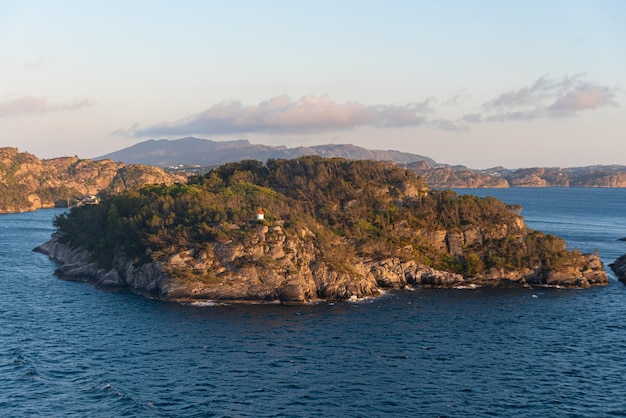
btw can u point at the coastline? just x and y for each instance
(619, 268)
(315, 284)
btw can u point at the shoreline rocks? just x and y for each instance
(619, 268)
(291, 276)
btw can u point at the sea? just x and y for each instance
(70, 350)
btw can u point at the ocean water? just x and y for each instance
(67, 349)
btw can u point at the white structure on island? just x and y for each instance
(260, 215)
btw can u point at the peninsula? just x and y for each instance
(28, 183)
(307, 229)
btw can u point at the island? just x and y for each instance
(305, 230)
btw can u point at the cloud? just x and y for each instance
(532, 95)
(28, 105)
(447, 125)
(585, 97)
(546, 98)
(473, 117)
(280, 115)
(457, 98)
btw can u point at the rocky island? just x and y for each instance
(307, 229)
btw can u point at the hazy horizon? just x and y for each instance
(481, 84)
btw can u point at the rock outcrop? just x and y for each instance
(145, 279)
(280, 268)
(28, 183)
(619, 268)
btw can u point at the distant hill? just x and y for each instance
(207, 153)
(445, 176)
(204, 152)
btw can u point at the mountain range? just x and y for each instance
(204, 152)
(28, 183)
(192, 151)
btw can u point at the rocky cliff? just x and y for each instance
(29, 183)
(275, 267)
(619, 268)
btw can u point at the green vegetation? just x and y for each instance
(362, 209)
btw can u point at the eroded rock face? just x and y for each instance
(28, 183)
(276, 267)
(76, 265)
(601, 180)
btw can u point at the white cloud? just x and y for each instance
(447, 125)
(28, 105)
(587, 96)
(282, 115)
(546, 98)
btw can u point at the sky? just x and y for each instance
(476, 83)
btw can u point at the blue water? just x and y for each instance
(67, 349)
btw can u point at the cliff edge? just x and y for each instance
(294, 277)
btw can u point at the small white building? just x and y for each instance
(260, 215)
